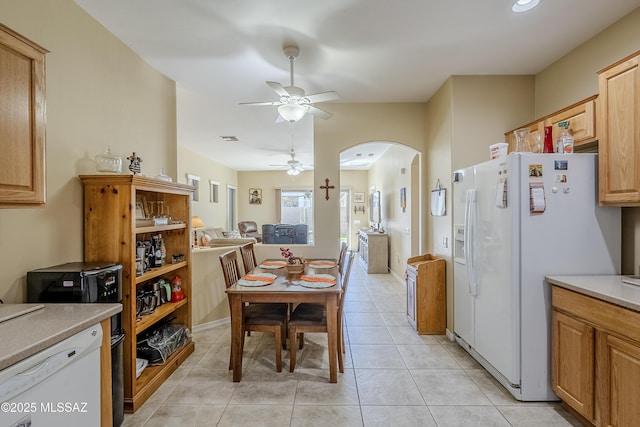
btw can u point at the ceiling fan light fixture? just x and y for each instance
(524, 5)
(293, 171)
(292, 112)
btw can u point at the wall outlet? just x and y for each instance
(356, 221)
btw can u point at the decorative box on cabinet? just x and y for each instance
(374, 251)
(426, 294)
(110, 233)
(22, 121)
(596, 358)
(619, 132)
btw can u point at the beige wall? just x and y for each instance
(386, 177)
(357, 182)
(464, 117)
(269, 182)
(354, 124)
(439, 120)
(212, 214)
(574, 77)
(99, 93)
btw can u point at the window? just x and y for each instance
(194, 181)
(231, 208)
(296, 207)
(214, 187)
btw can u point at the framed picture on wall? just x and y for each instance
(358, 197)
(255, 196)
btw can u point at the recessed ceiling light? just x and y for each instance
(229, 138)
(524, 5)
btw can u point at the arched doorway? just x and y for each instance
(393, 170)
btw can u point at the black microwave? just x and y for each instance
(81, 282)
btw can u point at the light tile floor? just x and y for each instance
(392, 377)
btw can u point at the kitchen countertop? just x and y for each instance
(25, 335)
(605, 288)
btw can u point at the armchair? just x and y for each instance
(249, 229)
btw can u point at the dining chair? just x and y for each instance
(249, 263)
(343, 251)
(257, 317)
(248, 257)
(312, 317)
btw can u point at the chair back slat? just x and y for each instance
(248, 257)
(229, 263)
(344, 280)
(341, 257)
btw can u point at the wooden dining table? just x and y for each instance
(285, 289)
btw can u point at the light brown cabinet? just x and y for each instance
(596, 358)
(582, 126)
(22, 121)
(619, 132)
(111, 234)
(426, 294)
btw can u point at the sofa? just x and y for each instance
(214, 237)
(284, 234)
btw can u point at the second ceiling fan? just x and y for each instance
(294, 104)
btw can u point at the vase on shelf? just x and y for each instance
(522, 140)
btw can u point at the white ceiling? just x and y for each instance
(221, 53)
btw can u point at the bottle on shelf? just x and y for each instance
(564, 143)
(548, 139)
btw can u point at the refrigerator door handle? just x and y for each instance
(469, 244)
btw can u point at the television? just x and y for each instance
(375, 214)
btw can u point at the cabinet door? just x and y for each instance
(411, 297)
(622, 370)
(573, 352)
(619, 133)
(22, 121)
(582, 123)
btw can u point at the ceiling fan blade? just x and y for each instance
(280, 90)
(319, 113)
(262, 103)
(323, 96)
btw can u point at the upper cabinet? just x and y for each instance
(619, 132)
(582, 126)
(22, 121)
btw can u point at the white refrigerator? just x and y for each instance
(516, 220)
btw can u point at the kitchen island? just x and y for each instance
(596, 347)
(26, 329)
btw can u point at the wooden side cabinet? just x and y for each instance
(596, 358)
(426, 294)
(22, 121)
(112, 233)
(618, 120)
(373, 248)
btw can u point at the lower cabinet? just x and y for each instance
(573, 363)
(426, 294)
(596, 358)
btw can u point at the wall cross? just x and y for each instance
(326, 187)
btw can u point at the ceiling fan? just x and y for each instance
(294, 167)
(294, 104)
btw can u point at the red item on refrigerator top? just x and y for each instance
(548, 139)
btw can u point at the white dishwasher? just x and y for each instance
(59, 386)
